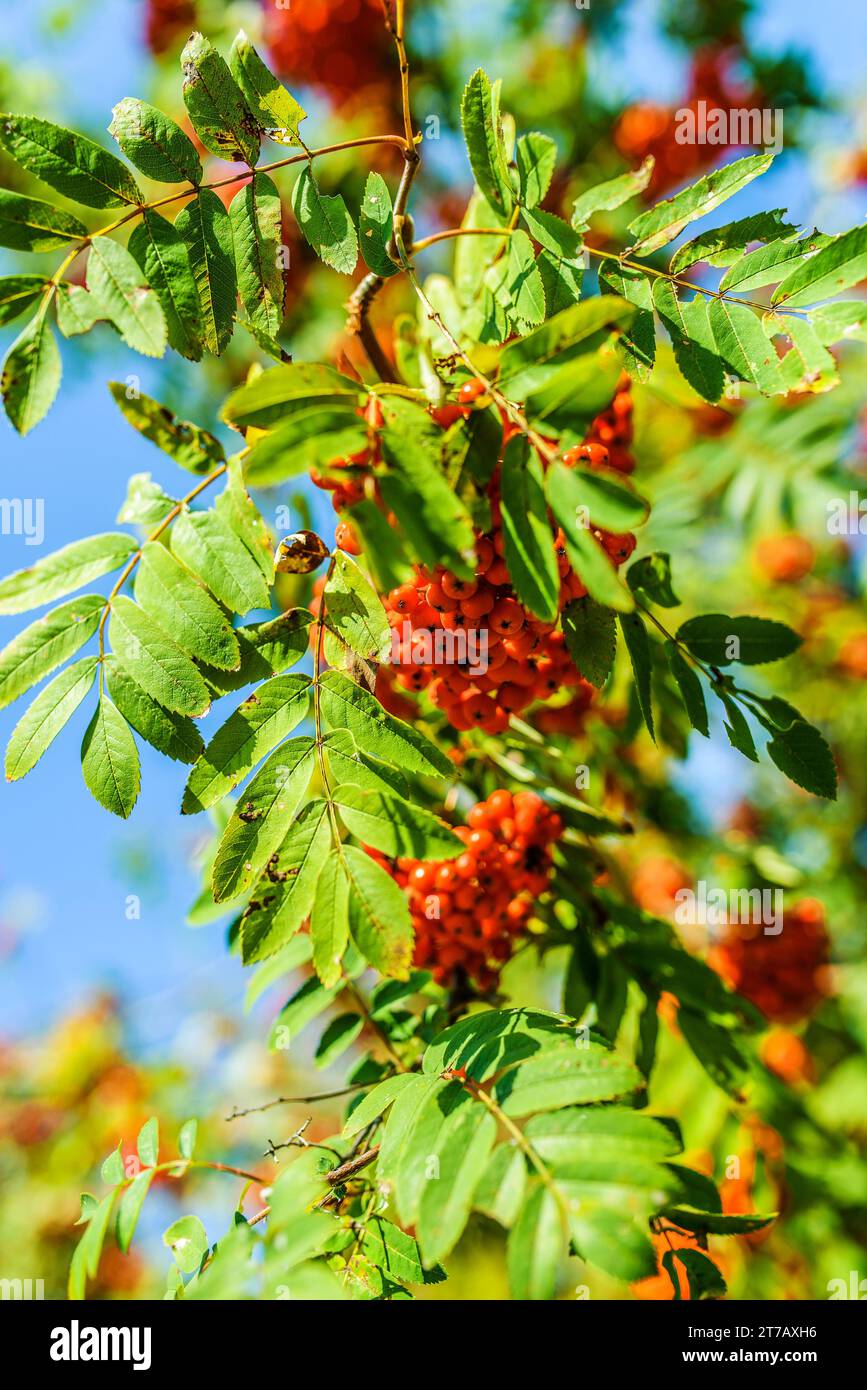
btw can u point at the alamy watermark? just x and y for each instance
(705, 906)
(847, 516)
(713, 125)
(23, 516)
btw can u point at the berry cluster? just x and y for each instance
(468, 911)
(612, 430)
(782, 975)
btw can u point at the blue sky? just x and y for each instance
(66, 867)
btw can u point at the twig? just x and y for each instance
(298, 1100)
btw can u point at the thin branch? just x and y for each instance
(298, 1100)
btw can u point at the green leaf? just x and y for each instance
(28, 224)
(572, 1073)
(737, 728)
(377, 1101)
(662, 223)
(379, 919)
(161, 252)
(692, 341)
(613, 1242)
(69, 162)
(169, 593)
(271, 397)
(500, 1192)
(325, 223)
(393, 1251)
(516, 282)
(340, 1034)
(841, 262)
(18, 293)
(716, 1049)
(31, 375)
(723, 245)
(216, 105)
(155, 661)
(459, 1157)
(530, 556)
(204, 226)
(64, 571)
(536, 1246)
(845, 319)
(703, 1276)
(148, 1142)
(329, 920)
(588, 1145)
(261, 818)
(307, 1003)
(43, 720)
(638, 645)
(208, 546)
(347, 764)
(187, 1138)
(154, 143)
(130, 1207)
(719, 639)
(591, 637)
(808, 365)
(531, 363)
(651, 576)
(257, 227)
(45, 644)
(355, 610)
(596, 570)
(117, 283)
(309, 439)
(601, 496)
(275, 109)
(278, 908)
(348, 706)
(562, 280)
(394, 826)
(267, 649)
(237, 508)
(109, 760)
(803, 755)
(190, 446)
(375, 226)
(769, 264)
(263, 720)
(744, 347)
(172, 734)
(77, 310)
(480, 121)
(611, 194)
(690, 689)
(536, 158)
(638, 341)
(188, 1242)
(112, 1170)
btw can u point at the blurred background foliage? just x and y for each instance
(742, 497)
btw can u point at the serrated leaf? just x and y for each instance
(614, 1242)
(257, 227)
(117, 284)
(355, 610)
(77, 310)
(284, 896)
(461, 1152)
(841, 262)
(340, 1034)
(188, 1242)
(719, 639)
(45, 644)
(375, 226)
(529, 364)
(690, 689)
(112, 1171)
(148, 1142)
(723, 245)
(348, 764)
(275, 109)
(155, 661)
(172, 734)
(692, 340)
(847, 319)
(596, 570)
(662, 223)
(310, 439)
(154, 143)
(261, 818)
(130, 1207)
(481, 1044)
(529, 550)
(769, 264)
(29, 224)
(348, 706)
(743, 346)
(190, 446)
(480, 121)
(393, 1251)
(215, 104)
(208, 546)
(43, 720)
(64, 571)
(803, 755)
(377, 1101)
(161, 252)
(329, 920)
(638, 340)
(536, 1246)
(379, 919)
(267, 649)
(638, 645)
(500, 1192)
(516, 283)
(808, 365)
(395, 827)
(204, 226)
(599, 495)
(18, 293)
(270, 398)
(651, 575)
(591, 638)
(169, 593)
(109, 760)
(611, 194)
(31, 375)
(536, 158)
(69, 162)
(325, 223)
(575, 1073)
(263, 720)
